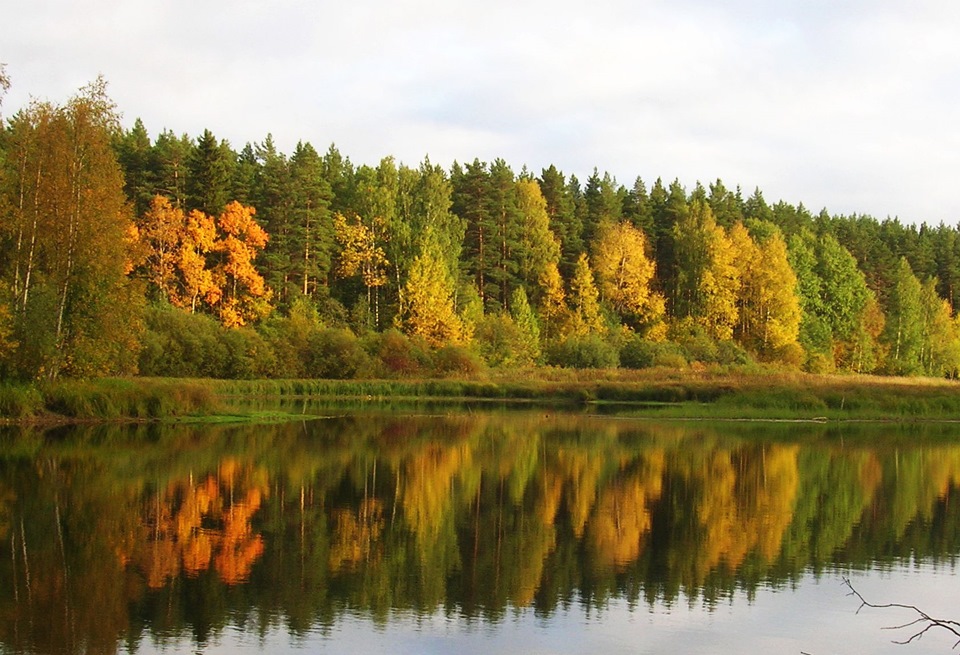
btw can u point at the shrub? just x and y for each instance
(589, 351)
(249, 355)
(19, 400)
(337, 353)
(178, 344)
(457, 360)
(696, 344)
(640, 353)
(502, 343)
(399, 353)
(731, 352)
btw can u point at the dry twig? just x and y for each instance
(921, 625)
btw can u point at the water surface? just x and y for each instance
(476, 532)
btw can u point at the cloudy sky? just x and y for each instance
(852, 105)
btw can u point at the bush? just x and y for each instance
(640, 353)
(337, 353)
(457, 360)
(178, 344)
(501, 342)
(732, 353)
(19, 400)
(694, 341)
(398, 353)
(588, 351)
(819, 363)
(249, 355)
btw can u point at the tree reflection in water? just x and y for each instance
(115, 533)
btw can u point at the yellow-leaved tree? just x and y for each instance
(196, 279)
(769, 308)
(244, 296)
(586, 299)
(361, 255)
(161, 232)
(720, 283)
(625, 273)
(429, 309)
(554, 314)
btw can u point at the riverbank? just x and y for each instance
(666, 393)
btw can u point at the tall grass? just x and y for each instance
(705, 393)
(108, 398)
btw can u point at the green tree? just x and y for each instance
(210, 165)
(537, 247)
(134, 152)
(564, 221)
(471, 202)
(585, 299)
(169, 167)
(637, 208)
(68, 236)
(904, 329)
(311, 245)
(526, 321)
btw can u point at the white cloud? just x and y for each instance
(845, 105)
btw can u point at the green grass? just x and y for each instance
(716, 393)
(669, 393)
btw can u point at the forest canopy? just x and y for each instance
(124, 253)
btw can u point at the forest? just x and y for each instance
(124, 253)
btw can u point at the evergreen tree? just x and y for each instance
(312, 238)
(210, 167)
(564, 221)
(273, 198)
(169, 167)
(727, 206)
(638, 210)
(505, 212)
(134, 150)
(471, 202)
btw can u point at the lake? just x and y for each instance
(475, 531)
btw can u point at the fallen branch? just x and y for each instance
(921, 625)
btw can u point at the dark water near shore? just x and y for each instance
(476, 532)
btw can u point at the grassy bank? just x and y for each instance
(108, 399)
(655, 392)
(651, 392)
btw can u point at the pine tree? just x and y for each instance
(134, 149)
(210, 167)
(311, 245)
(564, 221)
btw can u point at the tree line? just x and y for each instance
(176, 255)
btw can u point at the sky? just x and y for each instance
(848, 105)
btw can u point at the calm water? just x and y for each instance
(476, 532)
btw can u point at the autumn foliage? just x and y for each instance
(103, 227)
